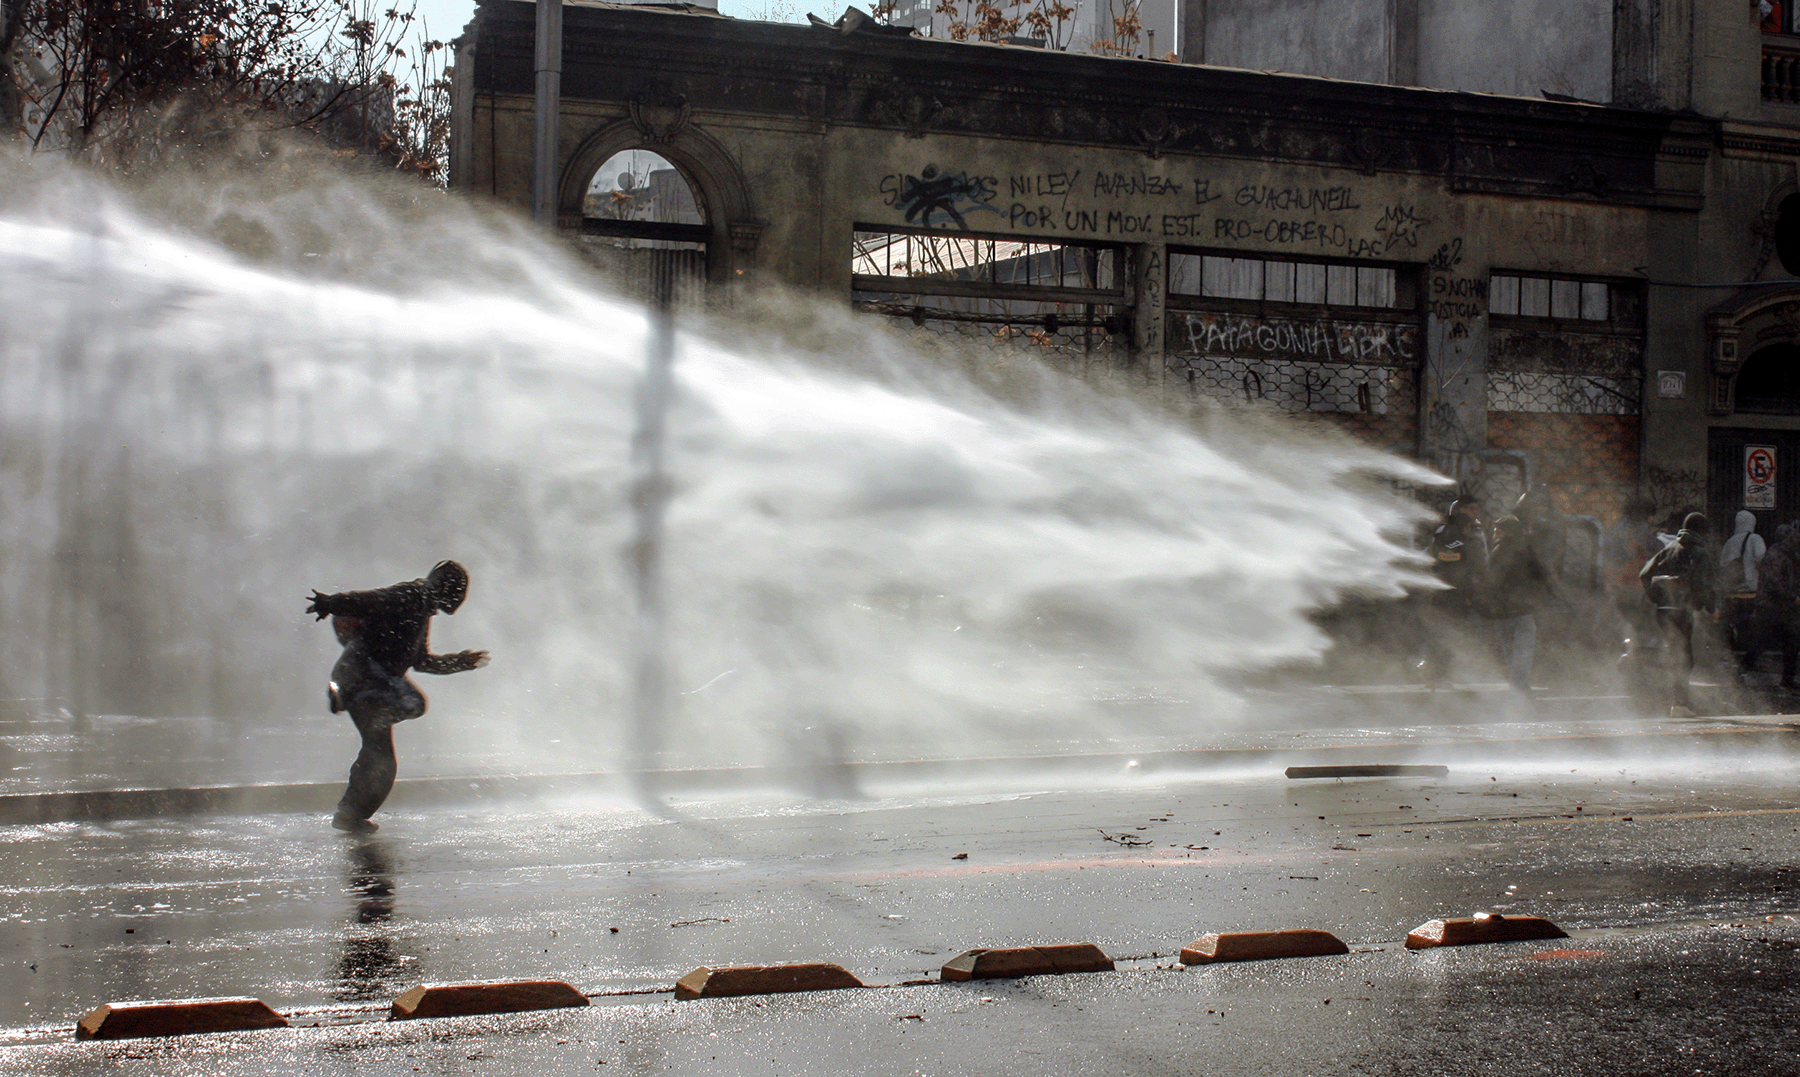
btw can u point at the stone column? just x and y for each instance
(1190, 42)
(1453, 398)
(1403, 42)
(1149, 308)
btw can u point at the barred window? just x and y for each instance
(1048, 298)
(1218, 276)
(1333, 342)
(962, 257)
(1564, 298)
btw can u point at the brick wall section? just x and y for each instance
(1395, 432)
(1589, 461)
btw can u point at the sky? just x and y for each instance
(444, 19)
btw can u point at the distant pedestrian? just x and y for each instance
(1738, 561)
(1628, 543)
(1459, 555)
(1776, 618)
(1547, 528)
(1680, 581)
(386, 633)
(1518, 584)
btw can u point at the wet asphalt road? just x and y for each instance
(1666, 868)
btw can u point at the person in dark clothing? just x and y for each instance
(1680, 580)
(385, 633)
(1777, 604)
(1517, 585)
(1547, 528)
(1459, 557)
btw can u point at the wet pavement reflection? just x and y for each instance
(371, 968)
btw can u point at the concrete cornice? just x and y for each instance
(1759, 141)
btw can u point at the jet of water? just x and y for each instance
(221, 393)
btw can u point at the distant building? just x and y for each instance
(1508, 286)
(1089, 27)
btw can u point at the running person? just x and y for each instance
(385, 634)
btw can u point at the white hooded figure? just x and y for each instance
(1740, 555)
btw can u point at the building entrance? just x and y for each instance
(1754, 469)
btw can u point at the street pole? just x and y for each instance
(644, 554)
(546, 112)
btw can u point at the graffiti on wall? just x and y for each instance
(1457, 300)
(1399, 225)
(1165, 205)
(1150, 322)
(1675, 489)
(1323, 340)
(934, 199)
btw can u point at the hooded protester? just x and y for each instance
(1740, 556)
(1738, 560)
(385, 633)
(1680, 579)
(1777, 606)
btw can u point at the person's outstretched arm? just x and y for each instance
(400, 598)
(459, 662)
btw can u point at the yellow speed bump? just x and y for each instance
(177, 1017)
(706, 982)
(491, 996)
(1027, 961)
(1261, 946)
(1482, 927)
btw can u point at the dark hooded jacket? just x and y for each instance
(1459, 553)
(393, 627)
(1683, 574)
(1518, 581)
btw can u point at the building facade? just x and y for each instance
(1513, 289)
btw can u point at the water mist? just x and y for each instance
(224, 391)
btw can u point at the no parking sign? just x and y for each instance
(1759, 476)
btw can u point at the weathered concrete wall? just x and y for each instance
(1343, 39)
(1521, 47)
(1726, 75)
(826, 132)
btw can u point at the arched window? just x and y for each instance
(1769, 381)
(642, 223)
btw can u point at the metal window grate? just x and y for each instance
(1269, 280)
(1046, 299)
(1513, 295)
(1042, 329)
(923, 257)
(1563, 394)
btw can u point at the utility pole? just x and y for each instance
(546, 112)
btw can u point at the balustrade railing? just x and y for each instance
(1781, 70)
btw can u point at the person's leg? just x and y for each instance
(375, 709)
(1681, 642)
(1749, 636)
(371, 776)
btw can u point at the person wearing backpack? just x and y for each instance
(1739, 559)
(1680, 580)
